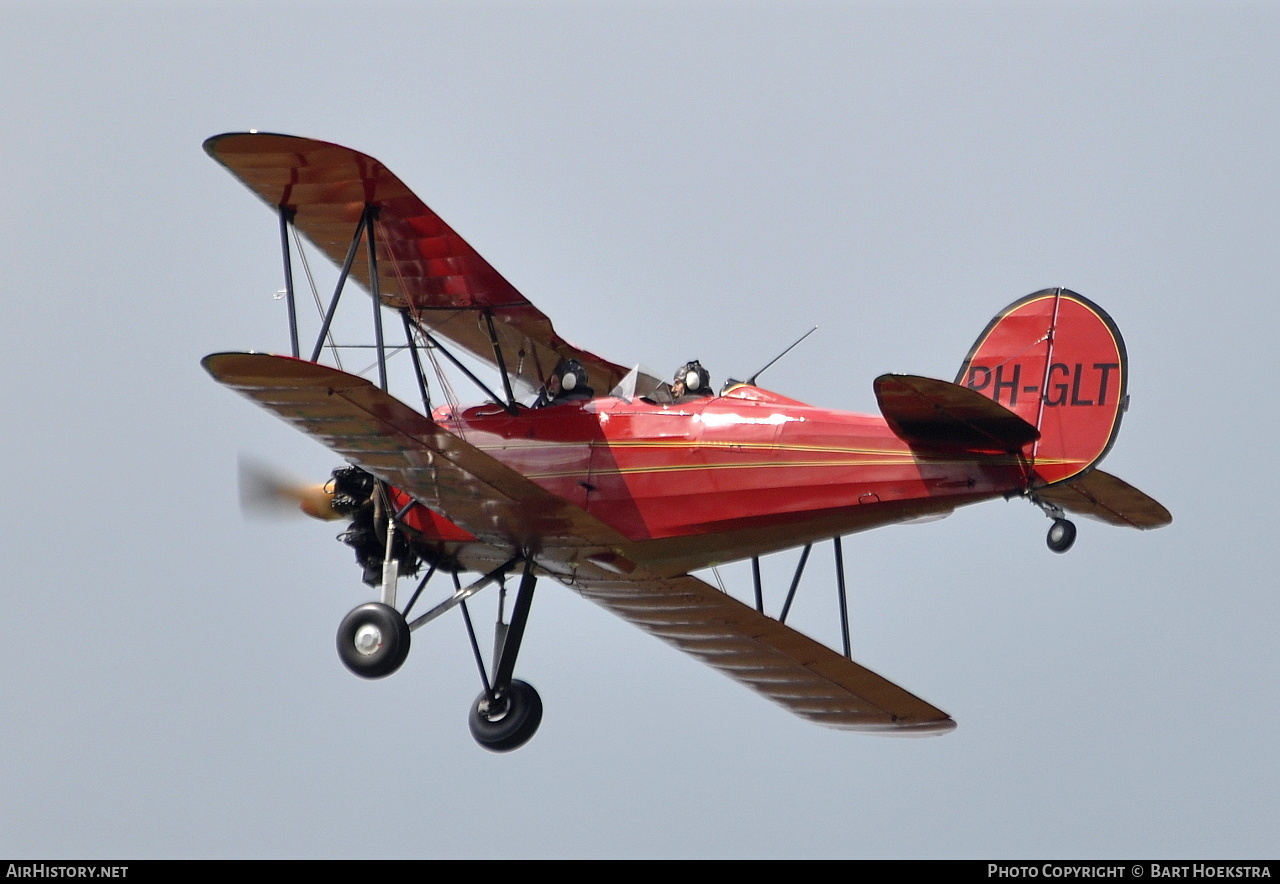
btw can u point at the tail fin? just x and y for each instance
(1056, 360)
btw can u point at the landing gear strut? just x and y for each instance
(507, 713)
(1062, 533)
(373, 640)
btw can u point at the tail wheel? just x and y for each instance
(373, 640)
(509, 720)
(1062, 534)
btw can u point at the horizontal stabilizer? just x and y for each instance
(936, 414)
(1102, 496)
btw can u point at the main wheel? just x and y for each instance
(1062, 534)
(508, 721)
(373, 640)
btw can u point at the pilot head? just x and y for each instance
(691, 380)
(569, 380)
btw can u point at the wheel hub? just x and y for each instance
(368, 639)
(495, 709)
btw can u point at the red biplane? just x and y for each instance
(619, 485)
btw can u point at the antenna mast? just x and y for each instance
(752, 381)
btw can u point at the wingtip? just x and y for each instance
(935, 728)
(258, 138)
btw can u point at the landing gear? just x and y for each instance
(373, 640)
(507, 713)
(507, 721)
(1062, 534)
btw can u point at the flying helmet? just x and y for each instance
(572, 377)
(693, 379)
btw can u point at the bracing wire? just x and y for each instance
(416, 325)
(315, 293)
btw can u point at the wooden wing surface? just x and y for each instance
(368, 427)
(937, 414)
(424, 266)
(771, 658)
(1109, 499)
(362, 423)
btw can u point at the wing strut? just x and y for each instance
(841, 592)
(342, 281)
(844, 605)
(371, 215)
(795, 583)
(502, 364)
(286, 217)
(417, 362)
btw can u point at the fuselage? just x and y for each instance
(707, 480)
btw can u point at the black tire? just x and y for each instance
(508, 722)
(1062, 534)
(390, 631)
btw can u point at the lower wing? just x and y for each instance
(367, 426)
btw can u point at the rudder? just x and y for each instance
(1058, 361)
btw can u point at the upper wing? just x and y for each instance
(423, 265)
(369, 427)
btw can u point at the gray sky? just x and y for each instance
(667, 181)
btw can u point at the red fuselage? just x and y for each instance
(708, 480)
